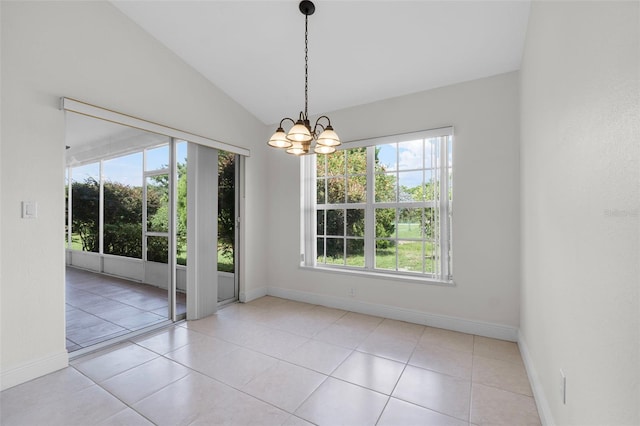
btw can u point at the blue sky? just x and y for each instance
(128, 169)
(409, 155)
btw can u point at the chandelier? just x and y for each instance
(301, 136)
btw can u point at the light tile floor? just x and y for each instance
(280, 362)
(101, 307)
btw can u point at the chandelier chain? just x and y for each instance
(306, 65)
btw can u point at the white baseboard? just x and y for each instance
(496, 331)
(544, 411)
(256, 293)
(33, 369)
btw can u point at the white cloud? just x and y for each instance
(410, 154)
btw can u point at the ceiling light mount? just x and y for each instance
(301, 136)
(307, 7)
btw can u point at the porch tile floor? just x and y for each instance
(101, 307)
(262, 363)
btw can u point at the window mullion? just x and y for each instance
(347, 178)
(444, 214)
(369, 214)
(172, 259)
(144, 206)
(69, 207)
(101, 211)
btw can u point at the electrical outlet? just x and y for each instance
(352, 292)
(563, 387)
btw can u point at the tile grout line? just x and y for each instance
(192, 370)
(115, 396)
(473, 362)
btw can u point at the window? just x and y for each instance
(382, 205)
(109, 199)
(135, 205)
(122, 186)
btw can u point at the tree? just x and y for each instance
(346, 182)
(226, 204)
(158, 218)
(85, 205)
(226, 209)
(122, 219)
(123, 214)
(182, 213)
(427, 192)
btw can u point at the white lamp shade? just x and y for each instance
(298, 148)
(295, 151)
(329, 137)
(324, 149)
(299, 133)
(279, 139)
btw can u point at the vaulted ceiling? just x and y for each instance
(359, 51)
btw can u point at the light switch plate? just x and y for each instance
(29, 209)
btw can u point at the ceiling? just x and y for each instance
(359, 51)
(88, 138)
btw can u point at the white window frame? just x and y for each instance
(308, 211)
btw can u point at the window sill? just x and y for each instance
(380, 275)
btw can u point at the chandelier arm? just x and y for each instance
(318, 124)
(285, 119)
(324, 116)
(316, 133)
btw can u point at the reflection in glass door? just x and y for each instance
(165, 221)
(227, 227)
(180, 228)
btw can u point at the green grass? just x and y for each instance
(409, 230)
(225, 262)
(76, 242)
(410, 257)
(409, 260)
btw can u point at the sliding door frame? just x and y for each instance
(83, 108)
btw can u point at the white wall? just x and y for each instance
(485, 114)
(580, 198)
(88, 51)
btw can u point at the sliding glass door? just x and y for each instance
(125, 230)
(138, 211)
(228, 221)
